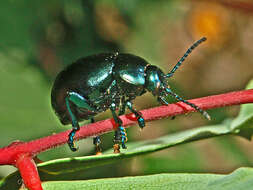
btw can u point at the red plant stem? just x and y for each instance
(29, 172)
(20, 154)
(8, 154)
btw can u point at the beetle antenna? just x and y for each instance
(170, 74)
(204, 113)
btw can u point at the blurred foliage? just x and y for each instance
(39, 38)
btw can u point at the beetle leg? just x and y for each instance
(123, 106)
(80, 102)
(75, 127)
(204, 113)
(120, 133)
(137, 114)
(97, 142)
(162, 100)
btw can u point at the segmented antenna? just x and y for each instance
(170, 74)
(204, 113)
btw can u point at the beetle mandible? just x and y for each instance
(93, 84)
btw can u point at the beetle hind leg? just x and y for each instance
(75, 126)
(80, 102)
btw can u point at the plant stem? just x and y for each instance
(29, 172)
(21, 154)
(32, 148)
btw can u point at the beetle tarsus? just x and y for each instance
(123, 136)
(120, 136)
(71, 140)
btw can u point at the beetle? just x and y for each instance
(96, 83)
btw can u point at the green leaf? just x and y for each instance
(239, 179)
(67, 165)
(12, 181)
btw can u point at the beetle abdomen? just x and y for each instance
(90, 77)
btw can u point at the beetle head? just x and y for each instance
(155, 81)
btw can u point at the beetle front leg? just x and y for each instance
(120, 133)
(137, 114)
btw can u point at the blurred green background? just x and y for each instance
(39, 38)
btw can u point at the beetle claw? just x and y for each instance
(72, 146)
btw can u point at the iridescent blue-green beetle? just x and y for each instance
(93, 84)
